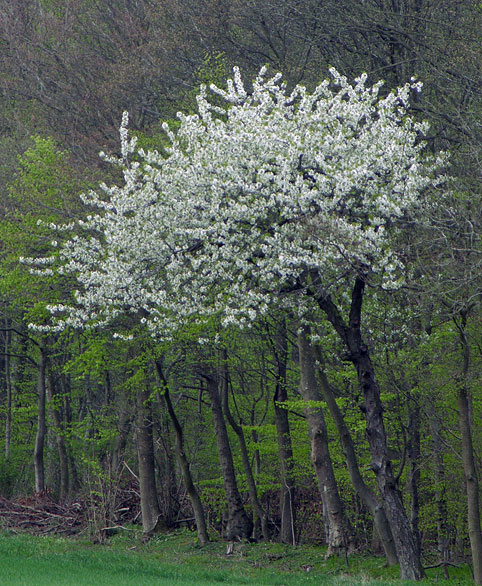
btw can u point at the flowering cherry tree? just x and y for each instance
(260, 194)
(249, 199)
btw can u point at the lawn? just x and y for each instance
(176, 560)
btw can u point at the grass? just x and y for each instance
(176, 560)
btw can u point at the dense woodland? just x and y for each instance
(271, 430)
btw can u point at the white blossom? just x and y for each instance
(249, 199)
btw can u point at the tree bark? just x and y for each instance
(414, 458)
(124, 426)
(359, 355)
(165, 456)
(239, 525)
(8, 385)
(74, 483)
(443, 540)
(470, 468)
(38, 456)
(285, 450)
(196, 502)
(365, 493)
(338, 533)
(253, 491)
(152, 520)
(59, 437)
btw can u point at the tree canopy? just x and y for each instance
(257, 194)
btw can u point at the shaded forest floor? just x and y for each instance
(171, 559)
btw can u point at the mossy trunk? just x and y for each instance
(365, 493)
(338, 527)
(238, 429)
(183, 462)
(358, 353)
(470, 467)
(283, 434)
(239, 525)
(38, 456)
(152, 520)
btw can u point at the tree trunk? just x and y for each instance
(338, 534)
(124, 427)
(253, 491)
(8, 385)
(152, 520)
(165, 458)
(365, 493)
(414, 458)
(183, 462)
(359, 355)
(59, 436)
(38, 456)
(285, 450)
(443, 540)
(74, 483)
(239, 525)
(470, 468)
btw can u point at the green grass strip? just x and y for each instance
(175, 560)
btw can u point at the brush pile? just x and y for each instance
(40, 515)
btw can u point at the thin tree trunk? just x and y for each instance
(120, 442)
(470, 468)
(338, 533)
(60, 439)
(414, 479)
(165, 458)
(253, 492)
(38, 457)
(8, 385)
(359, 355)
(443, 540)
(196, 502)
(285, 450)
(74, 483)
(365, 493)
(239, 525)
(152, 520)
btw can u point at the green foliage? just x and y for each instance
(40, 180)
(213, 70)
(12, 470)
(44, 189)
(92, 359)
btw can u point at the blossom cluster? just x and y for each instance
(250, 198)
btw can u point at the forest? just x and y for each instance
(241, 273)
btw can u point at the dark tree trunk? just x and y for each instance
(253, 491)
(443, 541)
(152, 520)
(124, 427)
(58, 430)
(414, 458)
(183, 462)
(8, 385)
(285, 450)
(74, 483)
(338, 533)
(166, 465)
(38, 457)
(359, 355)
(239, 525)
(470, 468)
(365, 493)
